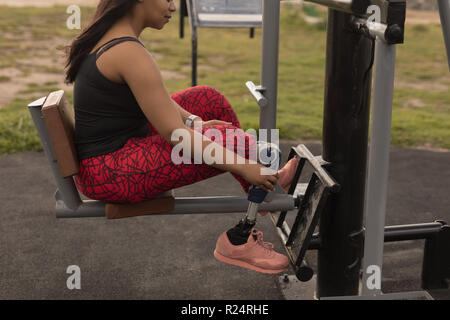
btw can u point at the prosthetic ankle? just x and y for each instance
(240, 233)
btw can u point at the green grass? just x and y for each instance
(228, 58)
(39, 89)
(310, 10)
(17, 132)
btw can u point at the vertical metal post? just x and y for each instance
(345, 135)
(269, 63)
(183, 13)
(444, 12)
(194, 55)
(194, 44)
(377, 181)
(436, 260)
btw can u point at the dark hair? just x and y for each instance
(107, 13)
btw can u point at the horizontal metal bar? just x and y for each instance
(391, 14)
(224, 24)
(303, 151)
(396, 233)
(411, 231)
(321, 161)
(185, 205)
(391, 34)
(358, 7)
(87, 209)
(229, 204)
(409, 295)
(315, 243)
(342, 5)
(375, 29)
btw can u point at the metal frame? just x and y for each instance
(189, 9)
(184, 13)
(297, 240)
(348, 6)
(339, 266)
(435, 272)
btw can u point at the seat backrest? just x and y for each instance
(60, 122)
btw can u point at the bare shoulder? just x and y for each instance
(130, 52)
(126, 59)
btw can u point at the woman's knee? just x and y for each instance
(205, 101)
(200, 93)
(210, 90)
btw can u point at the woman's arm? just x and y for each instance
(137, 68)
(183, 112)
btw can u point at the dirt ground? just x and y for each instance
(20, 80)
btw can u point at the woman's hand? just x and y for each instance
(253, 174)
(214, 122)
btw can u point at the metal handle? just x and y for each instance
(256, 93)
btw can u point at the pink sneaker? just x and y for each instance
(255, 255)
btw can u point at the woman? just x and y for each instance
(124, 120)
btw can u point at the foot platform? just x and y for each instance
(312, 198)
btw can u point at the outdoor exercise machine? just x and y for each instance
(217, 14)
(334, 198)
(354, 43)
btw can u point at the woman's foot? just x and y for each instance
(286, 174)
(255, 254)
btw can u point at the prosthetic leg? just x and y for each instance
(240, 233)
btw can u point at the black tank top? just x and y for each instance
(106, 112)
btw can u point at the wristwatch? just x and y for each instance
(190, 120)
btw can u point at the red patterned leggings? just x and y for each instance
(143, 167)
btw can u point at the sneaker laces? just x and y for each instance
(259, 239)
